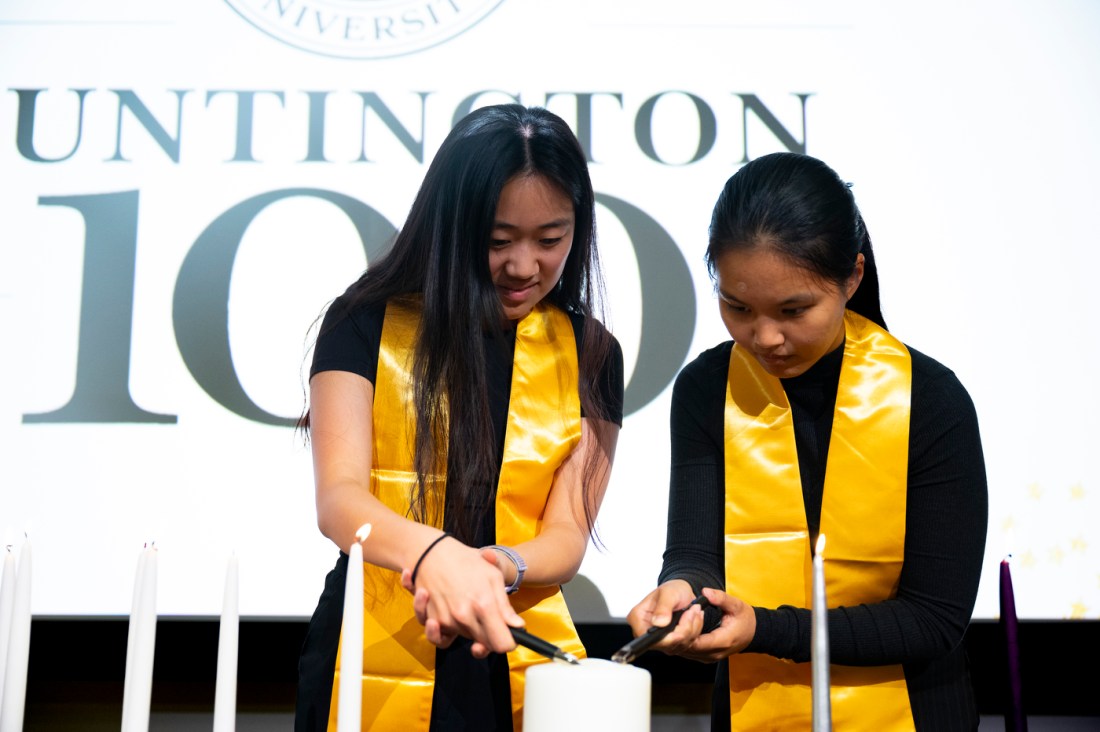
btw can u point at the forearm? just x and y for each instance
(342, 405)
(395, 542)
(889, 632)
(925, 620)
(693, 545)
(553, 557)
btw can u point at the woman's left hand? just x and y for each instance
(732, 635)
(433, 631)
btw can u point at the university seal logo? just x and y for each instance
(363, 29)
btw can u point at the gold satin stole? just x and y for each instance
(767, 543)
(544, 425)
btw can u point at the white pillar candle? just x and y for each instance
(349, 709)
(225, 693)
(819, 652)
(595, 695)
(7, 605)
(14, 693)
(138, 685)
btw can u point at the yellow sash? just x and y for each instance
(767, 545)
(544, 425)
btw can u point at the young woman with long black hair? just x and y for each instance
(465, 402)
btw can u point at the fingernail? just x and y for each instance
(660, 620)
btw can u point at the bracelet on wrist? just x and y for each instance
(516, 559)
(416, 567)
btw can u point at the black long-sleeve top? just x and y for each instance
(922, 627)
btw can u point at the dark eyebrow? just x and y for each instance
(799, 299)
(725, 295)
(548, 225)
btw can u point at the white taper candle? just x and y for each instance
(819, 653)
(14, 692)
(350, 705)
(7, 606)
(225, 692)
(137, 693)
(131, 637)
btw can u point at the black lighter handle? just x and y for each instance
(651, 637)
(539, 645)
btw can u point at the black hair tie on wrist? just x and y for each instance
(423, 554)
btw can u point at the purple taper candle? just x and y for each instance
(1015, 719)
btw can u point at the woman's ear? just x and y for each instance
(855, 278)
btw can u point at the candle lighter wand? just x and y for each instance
(545, 647)
(650, 638)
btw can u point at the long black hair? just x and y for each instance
(441, 256)
(800, 207)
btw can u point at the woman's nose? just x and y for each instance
(522, 263)
(766, 334)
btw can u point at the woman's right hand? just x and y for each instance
(459, 592)
(656, 610)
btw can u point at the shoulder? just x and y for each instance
(345, 309)
(940, 402)
(349, 337)
(588, 330)
(600, 360)
(932, 379)
(710, 367)
(699, 399)
(584, 324)
(704, 375)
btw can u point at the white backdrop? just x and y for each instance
(967, 129)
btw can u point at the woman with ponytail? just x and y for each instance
(814, 419)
